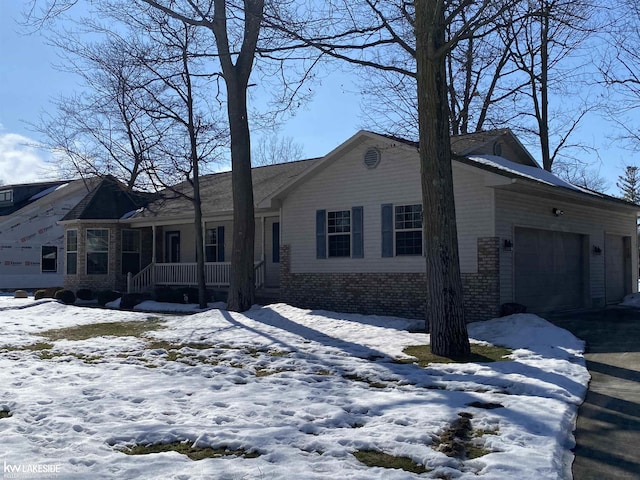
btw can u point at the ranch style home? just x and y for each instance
(344, 233)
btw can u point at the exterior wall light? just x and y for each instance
(597, 250)
(507, 245)
(557, 212)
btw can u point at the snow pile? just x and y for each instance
(303, 389)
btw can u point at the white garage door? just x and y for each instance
(549, 269)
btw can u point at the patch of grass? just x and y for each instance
(33, 347)
(373, 458)
(460, 440)
(5, 414)
(185, 448)
(371, 383)
(107, 329)
(265, 372)
(479, 354)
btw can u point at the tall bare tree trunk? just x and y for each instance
(236, 77)
(445, 313)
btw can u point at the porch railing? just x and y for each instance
(217, 274)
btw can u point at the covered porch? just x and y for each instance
(217, 275)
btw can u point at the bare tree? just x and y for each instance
(549, 33)
(272, 149)
(381, 36)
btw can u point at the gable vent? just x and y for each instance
(497, 149)
(372, 158)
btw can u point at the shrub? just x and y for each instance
(66, 296)
(106, 296)
(85, 294)
(51, 292)
(130, 300)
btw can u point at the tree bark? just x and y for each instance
(445, 314)
(236, 77)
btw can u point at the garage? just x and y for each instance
(549, 269)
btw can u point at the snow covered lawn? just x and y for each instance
(300, 390)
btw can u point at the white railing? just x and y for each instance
(217, 274)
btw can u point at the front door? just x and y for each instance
(272, 252)
(172, 247)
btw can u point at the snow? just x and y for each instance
(632, 300)
(47, 191)
(533, 173)
(334, 388)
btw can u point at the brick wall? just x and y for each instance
(113, 280)
(396, 294)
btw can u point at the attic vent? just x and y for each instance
(372, 158)
(497, 148)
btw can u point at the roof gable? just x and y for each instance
(107, 198)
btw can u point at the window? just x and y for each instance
(97, 251)
(6, 196)
(408, 227)
(49, 258)
(130, 251)
(339, 233)
(214, 244)
(401, 230)
(72, 252)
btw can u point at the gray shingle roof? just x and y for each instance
(215, 190)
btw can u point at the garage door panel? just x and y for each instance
(549, 269)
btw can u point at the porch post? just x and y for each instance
(264, 241)
(153, 245)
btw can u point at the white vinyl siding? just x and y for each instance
(396, 180)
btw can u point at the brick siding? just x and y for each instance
(395, 294)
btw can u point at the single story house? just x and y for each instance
(344, 232)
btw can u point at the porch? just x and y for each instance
(217, 274)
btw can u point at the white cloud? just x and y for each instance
(22, 161)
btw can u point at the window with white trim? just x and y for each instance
(97, 251)
(339, 233)
(72, 252)
(408, 229)
(213, 248)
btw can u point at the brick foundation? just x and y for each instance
(396, 294)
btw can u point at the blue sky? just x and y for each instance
(29, 81)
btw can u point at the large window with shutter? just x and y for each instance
(401, 230)
(339, 233)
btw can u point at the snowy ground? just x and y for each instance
(302, 389)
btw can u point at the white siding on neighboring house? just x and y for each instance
(522, 210)
(23, 234)
(348, 183)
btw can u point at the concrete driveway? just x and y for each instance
(608, 428)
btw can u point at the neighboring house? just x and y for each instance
(33, 220)
(344, 232)
(31, 240)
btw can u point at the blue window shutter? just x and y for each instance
(387, 230)
(275, 242)
(220, 240)
(357, 244)
(321, 234)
